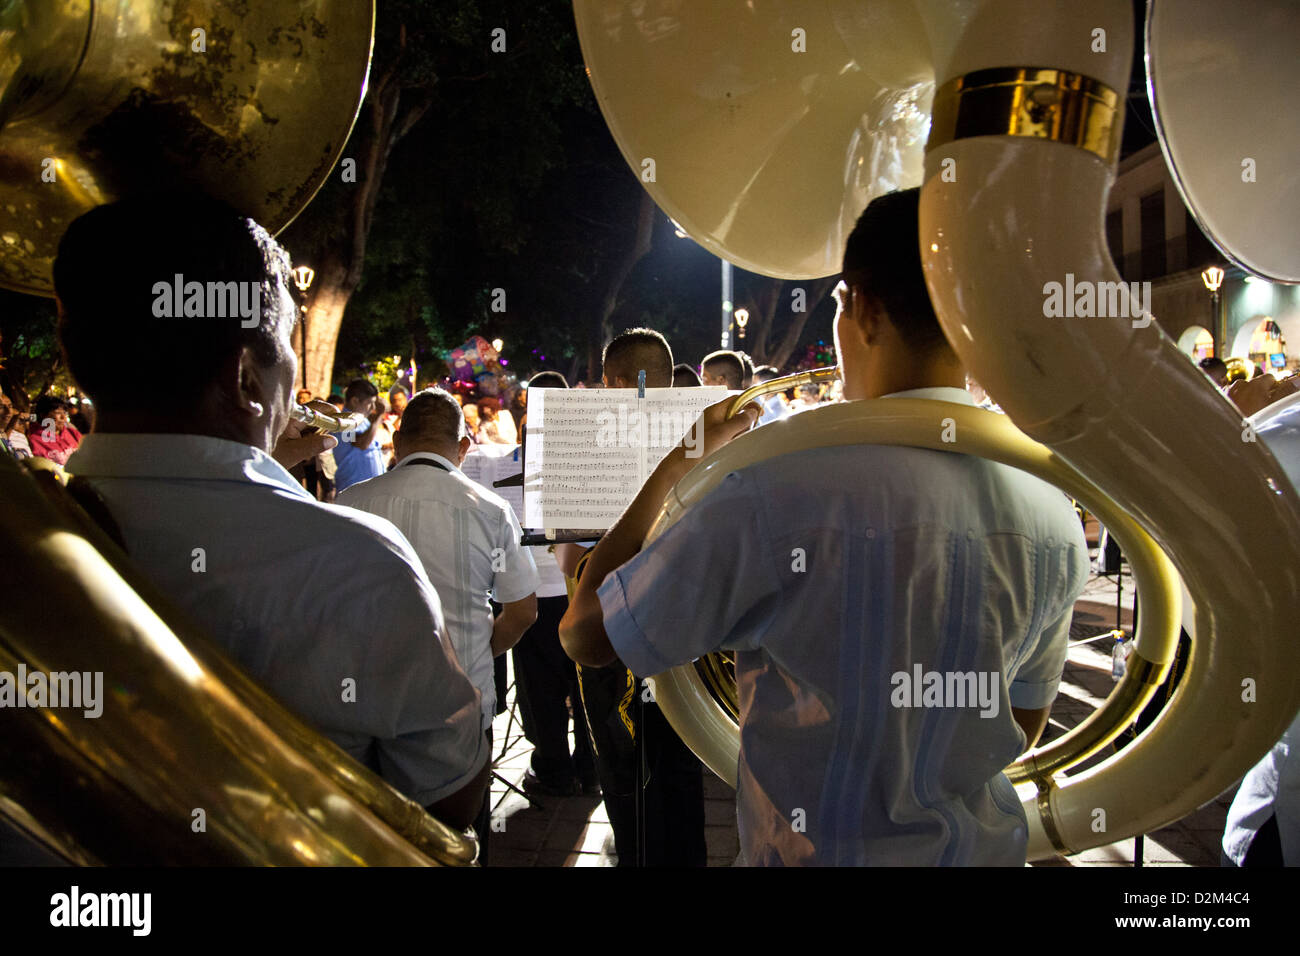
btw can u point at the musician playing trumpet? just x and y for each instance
(206, 512)
(850, 581)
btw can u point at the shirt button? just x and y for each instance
(871, 532)
(970, 535)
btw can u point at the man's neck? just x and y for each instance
(451, 454)
(887, 376)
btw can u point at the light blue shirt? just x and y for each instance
(1272, 786)
(355, 464)
(831, 572)
(303, 595)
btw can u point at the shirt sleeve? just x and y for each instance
(705, 584)
(1035, 683)
(519, 577)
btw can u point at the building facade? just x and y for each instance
(1153, 237)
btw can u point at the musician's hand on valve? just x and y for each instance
(719, 429)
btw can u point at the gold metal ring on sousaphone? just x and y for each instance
(770, 130)
(252, 102)
(113, 95)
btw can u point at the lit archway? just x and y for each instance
(1260, 342)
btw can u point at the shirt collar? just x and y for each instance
(445, 462)
(173, 457)
(940, 393)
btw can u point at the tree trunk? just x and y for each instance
(339, 263)
(324, 316)
(817, 290)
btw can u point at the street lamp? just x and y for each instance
(302, 278)
(726, 289)
(742, 317)
(1213, 278)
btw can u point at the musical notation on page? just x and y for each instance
(590, 450)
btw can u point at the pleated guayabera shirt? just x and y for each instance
(887, 607)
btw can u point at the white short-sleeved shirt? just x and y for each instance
(830, 572)
(303, 595)
(1272, 786)
(468, 541)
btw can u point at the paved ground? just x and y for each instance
(574, 831)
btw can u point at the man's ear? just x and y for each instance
(867, 316)
(465, 446)
(251, 387)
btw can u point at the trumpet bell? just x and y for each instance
(101, 98)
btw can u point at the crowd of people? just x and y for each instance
(826, 572)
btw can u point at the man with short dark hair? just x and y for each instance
(633, 351)
(467, 538)
(909, 561)
(216, 522)
(724, 368)
(360, 456)
(627, 731)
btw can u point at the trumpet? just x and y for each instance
(311, 418)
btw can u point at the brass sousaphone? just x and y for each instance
(190, 761)
(771, 125)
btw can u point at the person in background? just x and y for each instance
(82, 415)
(473, 423)
(1215, 370)
(1262, 828)
(774, 406)
(397, 398)
(466, 536)
(362, 458)
(53, 436)
(747, 379)
(685, 377)
(723, 368)
(497, 424)
(629, 732)
(13, 428)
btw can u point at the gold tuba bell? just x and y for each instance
(771, 126)
(253, 103)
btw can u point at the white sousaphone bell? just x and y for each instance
(765, 128)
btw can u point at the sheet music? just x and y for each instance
(486, 464)
(590, 450)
